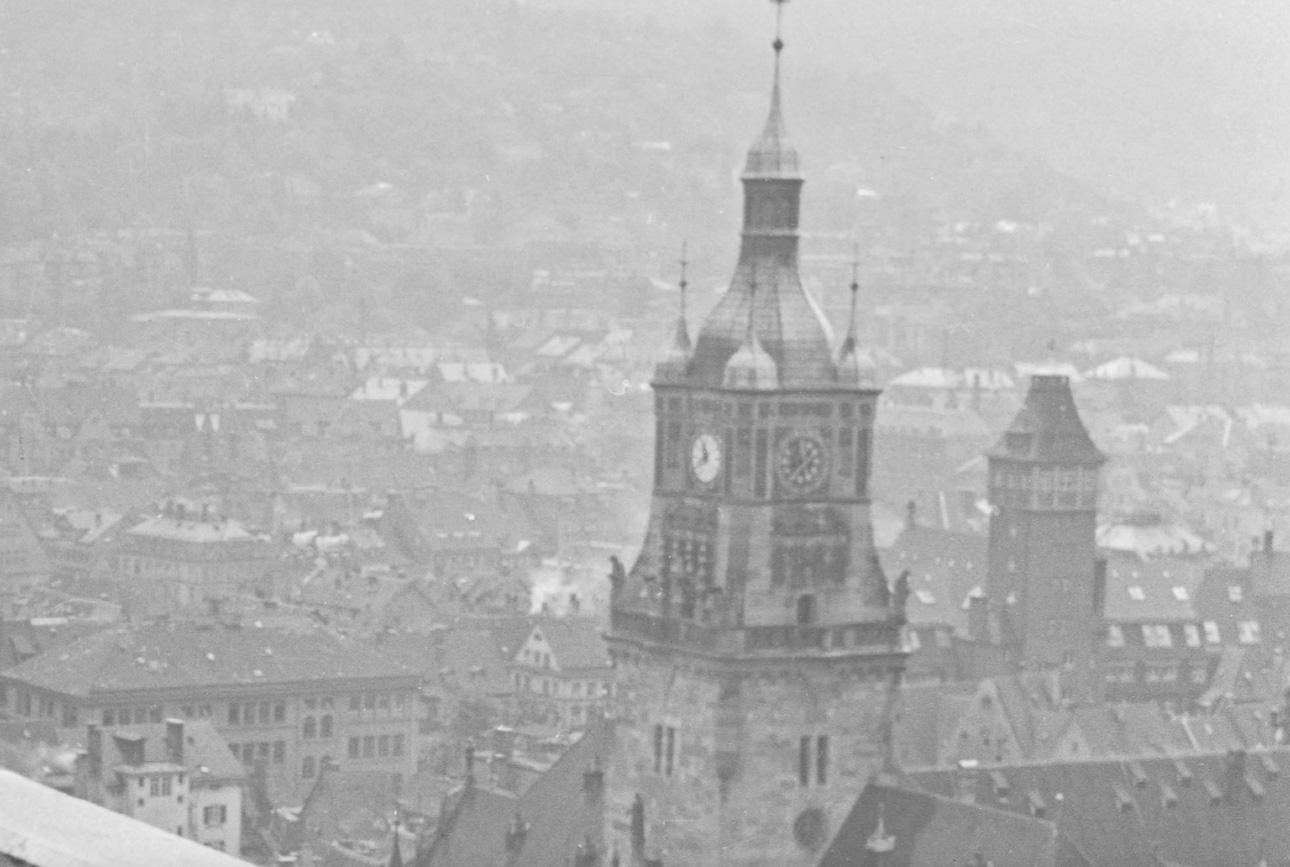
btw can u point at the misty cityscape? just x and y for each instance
(572, 433)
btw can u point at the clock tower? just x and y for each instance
(755, 640)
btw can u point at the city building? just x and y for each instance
(562, 671)
(756, 643)
(1042, 573)
(287, 698)
(42, 827)
(176, 776)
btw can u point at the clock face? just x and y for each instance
(705, 457)
(800, 462)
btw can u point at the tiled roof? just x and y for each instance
(1048, 428)
(893, 825)
(186, 656)
(206, 753)
(1159, 590)
(944, 568)
(1218, 808)
(559, 814)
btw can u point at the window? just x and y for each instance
(353, 748)
(109, 716)
(69, 716)
(1156, 635)
(383, 745)
(159, 786)
(396, 746)
(236, 750)
(1181, 594)
(664, 749)
(1247, 632)
(1114, 635)
(1235, 593)
(324, 727)
(821, 760)
(1191, 633)
(805, 609)
(234, 717)
(307, 767)
(279, 712)
(1211, 632)
(353, 702)
(265, 712)
(311, 727)
(369, 746)
(1136, 593)
(279, 752)
(214, 815)
(154, 713)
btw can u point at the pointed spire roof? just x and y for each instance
(1047, 428)
(772, 154)
(676, 360)
(852, 370)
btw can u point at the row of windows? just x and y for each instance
(372, 746)
(744, 409)
(26, 704)
(379, 703)
(249, 752)
(256, 713)
(321, 728)
(1163, 635)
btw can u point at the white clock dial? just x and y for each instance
(705, 457)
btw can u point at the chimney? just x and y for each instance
(1267, 542)
(593, 782)
(130, 746)
(1099, 586)
(965, 781)
(516, 833)
(175, 741)
(978, 618)
(94, 748)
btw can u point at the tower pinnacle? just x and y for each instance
(772, 154)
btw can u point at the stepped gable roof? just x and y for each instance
(1214, 808)
(895, 824)
(179, 655)
(576, 642)
(1047, 428)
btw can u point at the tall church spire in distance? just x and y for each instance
(851, 370)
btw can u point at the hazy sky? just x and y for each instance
(1161, 98)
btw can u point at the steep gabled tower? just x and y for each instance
(1043, 547)
(756, 644)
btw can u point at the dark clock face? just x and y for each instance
(800, 462)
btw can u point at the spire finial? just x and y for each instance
(849, 345)
(683, 284)
(778, 44)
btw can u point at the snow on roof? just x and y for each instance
(1126, 367)
(388, 388)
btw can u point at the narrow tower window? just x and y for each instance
(805, 609)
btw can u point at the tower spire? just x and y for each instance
(849, 344)
(683, 285)
(773, 154)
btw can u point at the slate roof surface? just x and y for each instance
(928, 829)
(1206, 810)
(1055, 432)
(944, 568)
(559, 814)
(187, 655)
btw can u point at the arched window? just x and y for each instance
(805, 609)
(325, 727)
(307, 767)
(311, 727)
